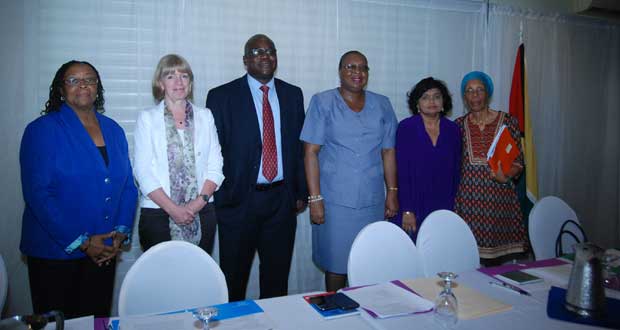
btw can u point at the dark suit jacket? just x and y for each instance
(240, 138)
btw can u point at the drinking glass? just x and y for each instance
(446, 307)
(205, 315)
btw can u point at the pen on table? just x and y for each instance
(510, 287)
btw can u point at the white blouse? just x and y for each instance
(151, 158)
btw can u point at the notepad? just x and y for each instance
(518, 277)
(472, 304)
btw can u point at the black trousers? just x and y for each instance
(154, 227)
(76, 287)
(265, 223)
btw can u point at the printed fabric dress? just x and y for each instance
(491, 209)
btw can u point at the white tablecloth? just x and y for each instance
(528, 312)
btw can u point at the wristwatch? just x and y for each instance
(205, 198)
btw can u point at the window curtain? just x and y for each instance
(573, 83)
(405, 41)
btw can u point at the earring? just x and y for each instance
(62, 98)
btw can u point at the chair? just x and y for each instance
(544, 223)
(4, 284)
(381, 252)
(445, 243)
(171, 276)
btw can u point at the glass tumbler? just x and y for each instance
(446, 306)
(205, 315)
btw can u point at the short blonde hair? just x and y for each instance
(169, 64)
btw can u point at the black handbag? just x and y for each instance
(559, 250)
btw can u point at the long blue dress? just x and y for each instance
(351, 170)
(428, 176)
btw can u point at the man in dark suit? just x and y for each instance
(259, 120)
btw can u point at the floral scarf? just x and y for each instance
(182, 171)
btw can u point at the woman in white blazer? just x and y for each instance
(178, 162)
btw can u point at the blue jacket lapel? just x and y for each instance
(79, 136)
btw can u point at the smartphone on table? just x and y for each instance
(323, 303)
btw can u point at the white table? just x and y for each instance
(528, 312)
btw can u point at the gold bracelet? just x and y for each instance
(392, 188)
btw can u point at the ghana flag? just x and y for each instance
(527, 187)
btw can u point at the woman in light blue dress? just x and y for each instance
(350, 162)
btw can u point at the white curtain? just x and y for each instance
(573, 67)
(125, 39)
(574, 82)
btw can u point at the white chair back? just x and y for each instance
(381, 252)
(4, 284)
(445, 243)
(171, 276)
(544, 223)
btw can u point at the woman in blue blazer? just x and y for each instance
(80, 196)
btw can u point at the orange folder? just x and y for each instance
(504, 149)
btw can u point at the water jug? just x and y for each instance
(585, 294)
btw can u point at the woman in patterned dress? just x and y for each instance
(178, 161)
(488, 201)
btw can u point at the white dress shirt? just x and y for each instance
(257, 96)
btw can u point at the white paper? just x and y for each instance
(80, 323)
(494, 143)
(557, 276)
(554, 275)
(388, 300)
(614, 252)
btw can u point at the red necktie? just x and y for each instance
(270, 153)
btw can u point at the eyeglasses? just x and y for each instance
(471, 91)
(71, 81)
(356, 68)
(434, 97)
(262, 51)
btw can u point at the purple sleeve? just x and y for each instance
(458, 155)
(403, 163)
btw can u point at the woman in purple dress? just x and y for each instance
(428, 156)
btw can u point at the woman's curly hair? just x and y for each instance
(55, 99)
